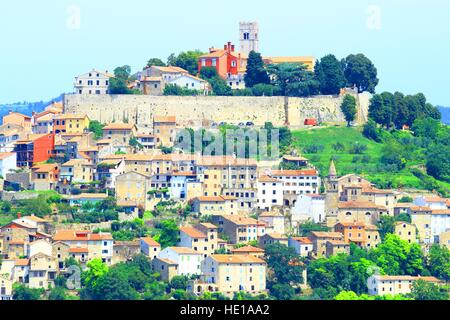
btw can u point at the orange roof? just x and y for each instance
(223, 161)
(215, 54)
(271, 214)
(304, 240)
(278, 236)
(150, 242)
(183, 250)
(376, 191)
(78, 250)
(215, 198)
(359, 205)
(420, 209)
(294, 173)
(30, 138)
(209, 225)
(170, 69)
(21, 262)
(338, 242)
(4, 155)
(434, 199)
(236, 259)
(238, 220)
(268, 179)
(192, 232)
(167, 119)
(119, 126)
(248, 249)
(73, 235)
(322, 234)
(45, 168)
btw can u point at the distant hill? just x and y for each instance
(25, 107)
(445, 111)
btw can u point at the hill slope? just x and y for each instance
(366, 164)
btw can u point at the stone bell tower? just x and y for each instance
(248, 37)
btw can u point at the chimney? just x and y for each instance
(232, 48)
(19, 215)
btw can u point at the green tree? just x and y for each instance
(348, 108)
(96, 128)
(423, 290)
(294, 79)
(22, 292)
(309, 226)
(282, 291)
(284, 263)
(360, 72)
(350, 295)
(438, 161)
(179, 283)
(168, 235)
(119, 84)
(398, 257)
(256, 72)
(370, 131)
(96, 269)
(330, 74)
(219, 86)
(439, 262)
(155, 62)
(187, 60)
(58, 293)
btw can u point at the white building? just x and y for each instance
(434, 202)
(302, 245)
(275, 222)
(440, 223)
(269, 193)
(150, 247)
(382, 285)
(188, 260)
(190, 82)
(308, 207)
(93, 82)
(296, 182)
(8, 162)
(178, 184)
(39, 246)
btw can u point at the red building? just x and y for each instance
(34, 149)
(311, 122)
(227, 62)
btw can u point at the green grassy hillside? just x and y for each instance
(366, 164)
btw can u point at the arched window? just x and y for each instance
(348, 214)
(367, 213)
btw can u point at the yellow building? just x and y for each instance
(211, 182)
(164, 129)
(76, 171)
(234, 273)
(421, 218)
(406, 231)
(71, 123)
(133, 187)
(220, 205)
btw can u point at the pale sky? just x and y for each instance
(43, 45)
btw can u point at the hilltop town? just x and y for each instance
(99, 201)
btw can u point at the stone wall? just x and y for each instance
(195, 111)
